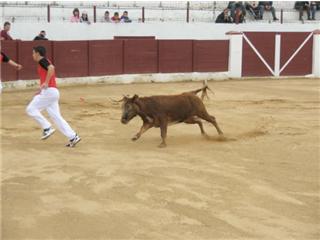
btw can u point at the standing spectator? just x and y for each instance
(253, 8)
(76, 16)
(41, 36)
(5, 32)
(84, 18)
(313, 9)
(267, 6)
(116, 18)
(106, 17)
(125, 18)
(302, 6)
(224, 17)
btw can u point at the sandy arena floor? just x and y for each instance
(262, 182)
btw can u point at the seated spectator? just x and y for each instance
(125, 18)
(76, 16)
(84, 18)
(302, 6)
(116, 18)
(5, 32)
(239, 16)
(267, 6)
(224, 17)
(41, 36)
(233, 6)
(106, 17)
(314, 6)
(253, 9)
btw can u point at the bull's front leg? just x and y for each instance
(163, 129)
(143, 129)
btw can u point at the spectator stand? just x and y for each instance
(166, 11)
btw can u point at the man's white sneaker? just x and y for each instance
(47, 133)
(73, 142)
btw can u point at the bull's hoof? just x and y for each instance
(135, 138)
(162, 145)
(222, 137)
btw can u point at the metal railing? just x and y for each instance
(203, 11)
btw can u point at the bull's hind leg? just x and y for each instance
(143, 129)
(194, 120)
(211, 119)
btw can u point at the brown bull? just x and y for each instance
(159, 111)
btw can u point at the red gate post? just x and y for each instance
(94, 14)
(48, 13)
(143, 14)
(188, 11)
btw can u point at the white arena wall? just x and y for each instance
(161, 30)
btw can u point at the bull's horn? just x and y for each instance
(116, 101)
(210, 90)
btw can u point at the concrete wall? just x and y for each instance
(100, 31)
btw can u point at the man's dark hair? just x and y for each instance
(125, 12)
(43, 31)
(6, 23)
(106, 12)
(41, 50)
(116, 14)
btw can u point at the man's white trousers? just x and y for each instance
(48, 100)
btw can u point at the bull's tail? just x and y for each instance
(203, 91)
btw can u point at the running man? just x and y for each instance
(6, 59)
(48, 99)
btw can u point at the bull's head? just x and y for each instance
(130, 108)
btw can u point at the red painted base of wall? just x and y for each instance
(119, 56)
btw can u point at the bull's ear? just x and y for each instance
(125, 98)
(135, 97)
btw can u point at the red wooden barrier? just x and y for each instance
(29, 70)
(175, 56)
(264, 43)
(301, 64)
(71, 58)
(140, 56)
(210, 55)
(134, 37)
(8, 73)
(105, 57)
